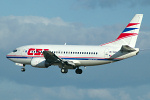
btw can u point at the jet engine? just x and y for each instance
(39, 62)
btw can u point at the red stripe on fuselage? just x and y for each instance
(63, 57)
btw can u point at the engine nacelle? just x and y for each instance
(39, 62)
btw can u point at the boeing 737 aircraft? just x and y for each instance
(75, 56)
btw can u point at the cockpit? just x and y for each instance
(15, 50)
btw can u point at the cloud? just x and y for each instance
(103, 94)
(18, 30)
(91, 4)
(144, 37)
(30, 29)
(14, 91)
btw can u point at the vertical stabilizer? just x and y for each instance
(129, 34)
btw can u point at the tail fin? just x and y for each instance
(129, 34)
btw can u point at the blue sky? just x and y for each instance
(85, 22)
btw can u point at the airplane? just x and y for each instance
(75, 56)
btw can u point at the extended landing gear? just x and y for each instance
(23, 69)
(78, 71)
(64, 70)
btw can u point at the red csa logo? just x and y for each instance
(38, 52)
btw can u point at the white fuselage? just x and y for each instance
(80, 55)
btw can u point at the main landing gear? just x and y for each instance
(23, 69)
(65, 70)
(78, 71)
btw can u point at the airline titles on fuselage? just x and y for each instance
(33, 51)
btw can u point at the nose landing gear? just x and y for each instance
(23, 69)
(64, 70)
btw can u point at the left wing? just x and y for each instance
(51, 58)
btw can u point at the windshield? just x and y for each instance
(15, 50)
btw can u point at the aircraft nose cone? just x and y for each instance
(8, 56)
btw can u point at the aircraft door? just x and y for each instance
(106, 53)
(23, 51)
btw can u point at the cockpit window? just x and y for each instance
(15, 50)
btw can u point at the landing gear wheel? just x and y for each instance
(64, 70)
(78, 71)
(23, 69)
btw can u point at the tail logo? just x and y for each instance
(129, 35)
(128, 31)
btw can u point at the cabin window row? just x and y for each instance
(67, 52)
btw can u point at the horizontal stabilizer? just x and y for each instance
(124, 51)
(126, 48)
